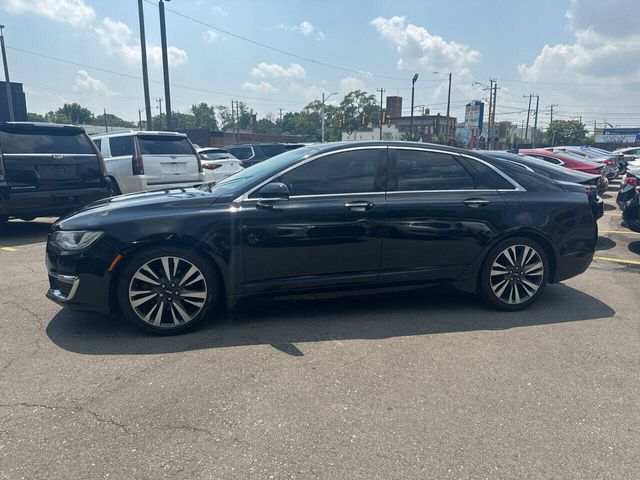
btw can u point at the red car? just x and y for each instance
(565, 160)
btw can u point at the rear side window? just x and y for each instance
(26, 142)
(485, 177)
(242, 153)
(98, 142)
(121, 146)
(421, 170)
(164, 145)
(272, 150)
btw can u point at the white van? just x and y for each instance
(139, 161)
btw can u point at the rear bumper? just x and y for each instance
(48, 203)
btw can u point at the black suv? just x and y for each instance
(48, 170)
(250, 154)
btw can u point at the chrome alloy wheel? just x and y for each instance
(516, 274)
(167, 291)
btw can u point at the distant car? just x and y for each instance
(630, 182)
(614, 163)
(48, 169)
(141, 161)
(250, 154)
(633, 151)
(565, 159)
(218, 164)
(631, 214)
(593, 184)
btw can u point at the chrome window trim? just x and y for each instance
(245, 196)
(49, 154)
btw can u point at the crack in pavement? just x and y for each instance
(70, 409)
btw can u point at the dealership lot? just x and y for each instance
(428, 384)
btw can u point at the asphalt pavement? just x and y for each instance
(424, 384)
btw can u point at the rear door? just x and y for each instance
(38, 158)
(168, 159)
(441, 212)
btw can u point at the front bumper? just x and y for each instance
(81, 280)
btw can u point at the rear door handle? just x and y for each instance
(359, 206)
(476, 202)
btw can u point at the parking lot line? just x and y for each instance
(620, 231)
(618, 260)
(8, 249)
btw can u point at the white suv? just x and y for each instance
(139, 161)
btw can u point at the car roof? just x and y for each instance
(138, 132)
(39, 125)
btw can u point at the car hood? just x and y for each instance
(151, 203)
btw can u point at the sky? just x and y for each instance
(579, 55)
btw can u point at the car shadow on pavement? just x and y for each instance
(18, 232)
(634, 247)
(285, 324)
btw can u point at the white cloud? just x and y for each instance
(276, 71)
(262, 87)
(85, 83)
(305, 28)
(219, 10)
(307, 92)
(74, 12)
(119, 41)
(350, 84)
(417, 48)
(210, 36)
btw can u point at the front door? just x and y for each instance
(327, 233)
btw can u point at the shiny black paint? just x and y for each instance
(316, 244)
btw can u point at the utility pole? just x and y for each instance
(490, 111)
(535, 124)
(413, 85)
(551, 114)
(165, 63)
(12, 116)
(106, 126)
(526, 131)
(145, 72)
(159, 100)
(493, 117)
(381, 90)
(139, 119)
(233, 119)
(448, 109)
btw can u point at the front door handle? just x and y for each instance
(359, 206)
(476, 202)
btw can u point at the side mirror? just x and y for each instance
(275, 191)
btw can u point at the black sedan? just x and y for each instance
(333, 217)
(631, 213)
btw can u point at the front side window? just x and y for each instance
(345, 172)
(121, 146)
(421, 170)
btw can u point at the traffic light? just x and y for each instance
(384, 117)
(362, 119)
(343, 121)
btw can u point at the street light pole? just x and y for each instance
(145, 73)
(448, 109)
(413, 87)
(323, 100)
(165, 63)
(12, 117)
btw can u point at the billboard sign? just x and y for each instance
(621, 135)
(473, 115)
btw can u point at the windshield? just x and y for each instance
(253, 175)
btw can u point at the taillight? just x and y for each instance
(589, 189)
(211, 166)
(632, 181)
(609, 162)
(137, 165)
(200, 162)
(103, 166)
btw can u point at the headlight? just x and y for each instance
(74, 240)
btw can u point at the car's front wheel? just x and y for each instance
(514, 275)
(167, 290)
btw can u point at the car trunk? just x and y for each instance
(48, 158)
(168, 159)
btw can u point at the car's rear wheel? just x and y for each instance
(514, 274)
(167, 290)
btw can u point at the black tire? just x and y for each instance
(178, 300)
(519, 278)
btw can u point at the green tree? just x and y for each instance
(36, 117)
(358, 103)
(204, 116)
(75, 113)
(566, 132)
(112, 121)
